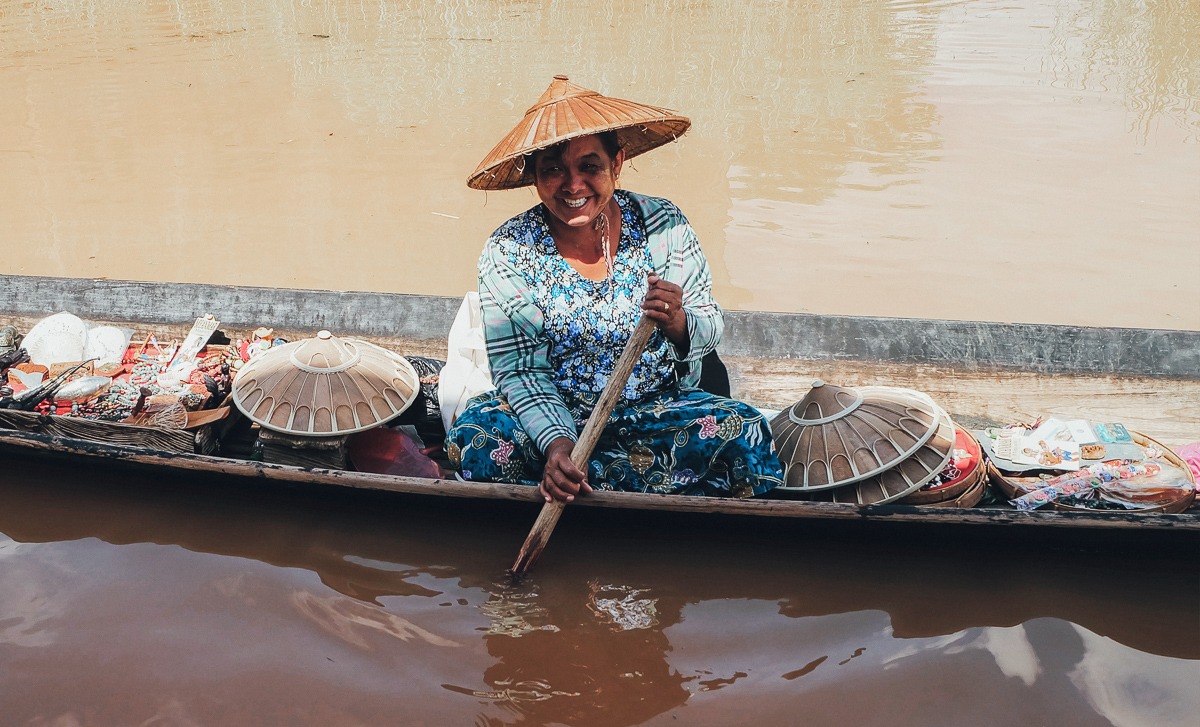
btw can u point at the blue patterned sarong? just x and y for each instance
(683, 443)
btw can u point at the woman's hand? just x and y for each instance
(562, 480)
(664, 305)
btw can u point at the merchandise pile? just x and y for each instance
(1084, 465)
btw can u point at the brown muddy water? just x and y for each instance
(130, 600)
(1010, 160)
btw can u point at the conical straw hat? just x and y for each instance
(903, 478)
(324, 386)
(566, 111)
(837, 436)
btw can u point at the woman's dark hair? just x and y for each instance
(611, 142)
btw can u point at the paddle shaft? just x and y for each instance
(539, 535)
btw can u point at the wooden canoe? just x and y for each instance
(982, 373)
(943, 523)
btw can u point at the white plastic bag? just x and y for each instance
(466, 373)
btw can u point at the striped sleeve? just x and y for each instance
(679, 259)
(518, 352)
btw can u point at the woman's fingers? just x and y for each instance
(664, 300)
(664, 306)
(562, 480)
(556, 486)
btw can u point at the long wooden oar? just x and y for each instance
(548, 517)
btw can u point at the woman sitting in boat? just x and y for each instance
(562, 287)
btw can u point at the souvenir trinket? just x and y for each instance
(107, 344)
(109, 369)
(57, 338)
(9, 339)
(35, 395)
(27, 379)
(1082, 482)
(82, 389)
(84, 368)
(12, 357)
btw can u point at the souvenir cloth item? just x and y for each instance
(325, 386)
(1190, 454)
(56, 339)
(689, 443)
(566, 111)
(425, 413)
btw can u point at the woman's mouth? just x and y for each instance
(575, 203)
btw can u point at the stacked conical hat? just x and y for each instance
(325, 386)
(865, 446)
(566, 111)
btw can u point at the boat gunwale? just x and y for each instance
(763, 508)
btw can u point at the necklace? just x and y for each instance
(605, 244)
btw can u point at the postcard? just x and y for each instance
(1051, 454)
(1002, 445)
(1052, 429)
(202, 330)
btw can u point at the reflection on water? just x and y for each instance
(1145, 51)
(844, 155)
(220, 606)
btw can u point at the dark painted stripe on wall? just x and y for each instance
(970, 344)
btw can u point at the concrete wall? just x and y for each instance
(960, 344)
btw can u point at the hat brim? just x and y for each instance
(639, 128)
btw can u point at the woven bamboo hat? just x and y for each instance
(837, 436)
(904, 477)
(325, 386)
(566, 111)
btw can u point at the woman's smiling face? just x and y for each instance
(576, 179)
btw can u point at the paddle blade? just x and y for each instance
(539, 535)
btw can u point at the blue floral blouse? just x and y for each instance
(554, 336)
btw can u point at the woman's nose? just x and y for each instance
(573, 181)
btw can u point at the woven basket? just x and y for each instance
(196, 437)
(970, 497)
(1013, 487)
(282, 448)
(952, 490)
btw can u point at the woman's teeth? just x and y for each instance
(575, 202)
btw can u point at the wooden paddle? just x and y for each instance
(548, 517)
